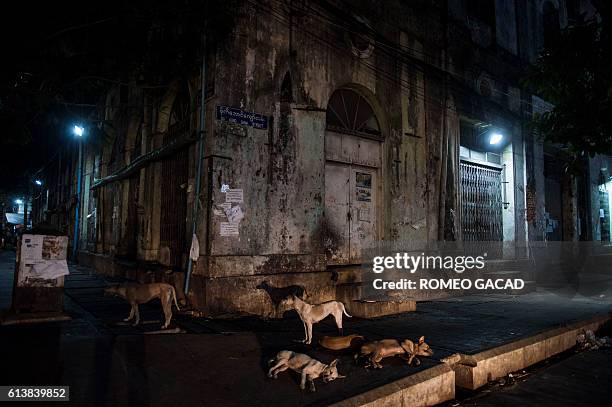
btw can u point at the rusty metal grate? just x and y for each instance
(481, 194)
(174, 199)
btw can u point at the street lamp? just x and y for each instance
(38, 182)
(495, 138)
(18, 201)
(78, 131)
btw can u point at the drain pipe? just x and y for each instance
(198, 183)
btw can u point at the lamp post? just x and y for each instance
(78, 132)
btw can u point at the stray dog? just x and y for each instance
(137, 294)
(278, 294)
(339, 342)
(308, 367)
(311, 314)
(378, 350)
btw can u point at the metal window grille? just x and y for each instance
(481, 195)
(174, 199)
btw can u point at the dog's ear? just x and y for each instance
(333, 363)
(421, 340)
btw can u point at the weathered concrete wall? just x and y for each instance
(281, 170)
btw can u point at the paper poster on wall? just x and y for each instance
(221, 209)
(234, 196)
(364, 214)
(229, 229)
(363, 186)
(235, 214)
(31, 248)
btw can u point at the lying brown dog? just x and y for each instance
(378, 350)
(137, 294)
(339, 342)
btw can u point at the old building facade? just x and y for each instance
(329, 127)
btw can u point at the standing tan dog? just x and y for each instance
(311, 314)
(308, 367)
(137, 294)
(378, 350)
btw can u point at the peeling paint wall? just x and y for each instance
(281, 170)
(276, 176)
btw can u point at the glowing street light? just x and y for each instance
(495, 138)
(18, 201)
(78, 130)
(38, 182)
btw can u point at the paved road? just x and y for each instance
(221, 362)
(582, 379)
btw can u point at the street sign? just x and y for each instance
(238, 116)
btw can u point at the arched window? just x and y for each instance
(180, 109)
(550, 23)
(349, 112)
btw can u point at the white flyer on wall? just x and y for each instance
(229, 229)
(234, 196)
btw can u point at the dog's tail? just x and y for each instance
(174, 298)
(344, 311)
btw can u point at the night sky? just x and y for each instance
(48, 47)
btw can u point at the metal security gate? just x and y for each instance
(174, 199)
(482, 201)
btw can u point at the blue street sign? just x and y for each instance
(238, 116)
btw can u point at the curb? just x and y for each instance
(499, 361)
(425, 388)
(437, 384)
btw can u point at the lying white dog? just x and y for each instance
(308, 367)
(311, 314)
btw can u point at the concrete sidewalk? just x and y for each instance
(223, 362)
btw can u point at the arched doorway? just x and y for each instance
(175, 173)
(353, 160)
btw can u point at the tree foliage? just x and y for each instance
(575, 74)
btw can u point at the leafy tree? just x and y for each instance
(574, 73)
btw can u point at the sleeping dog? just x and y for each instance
(308, 367)
(340, 342)
(378, 350)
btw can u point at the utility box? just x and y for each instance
(39, 273)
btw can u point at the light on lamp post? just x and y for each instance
(495, 138)
(78, 130)
(18, 201)
(38, 182)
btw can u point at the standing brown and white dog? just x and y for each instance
(137, 294)
(308, 367)
(311, 314)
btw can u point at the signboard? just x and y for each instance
(363, 186)
(238, 116)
